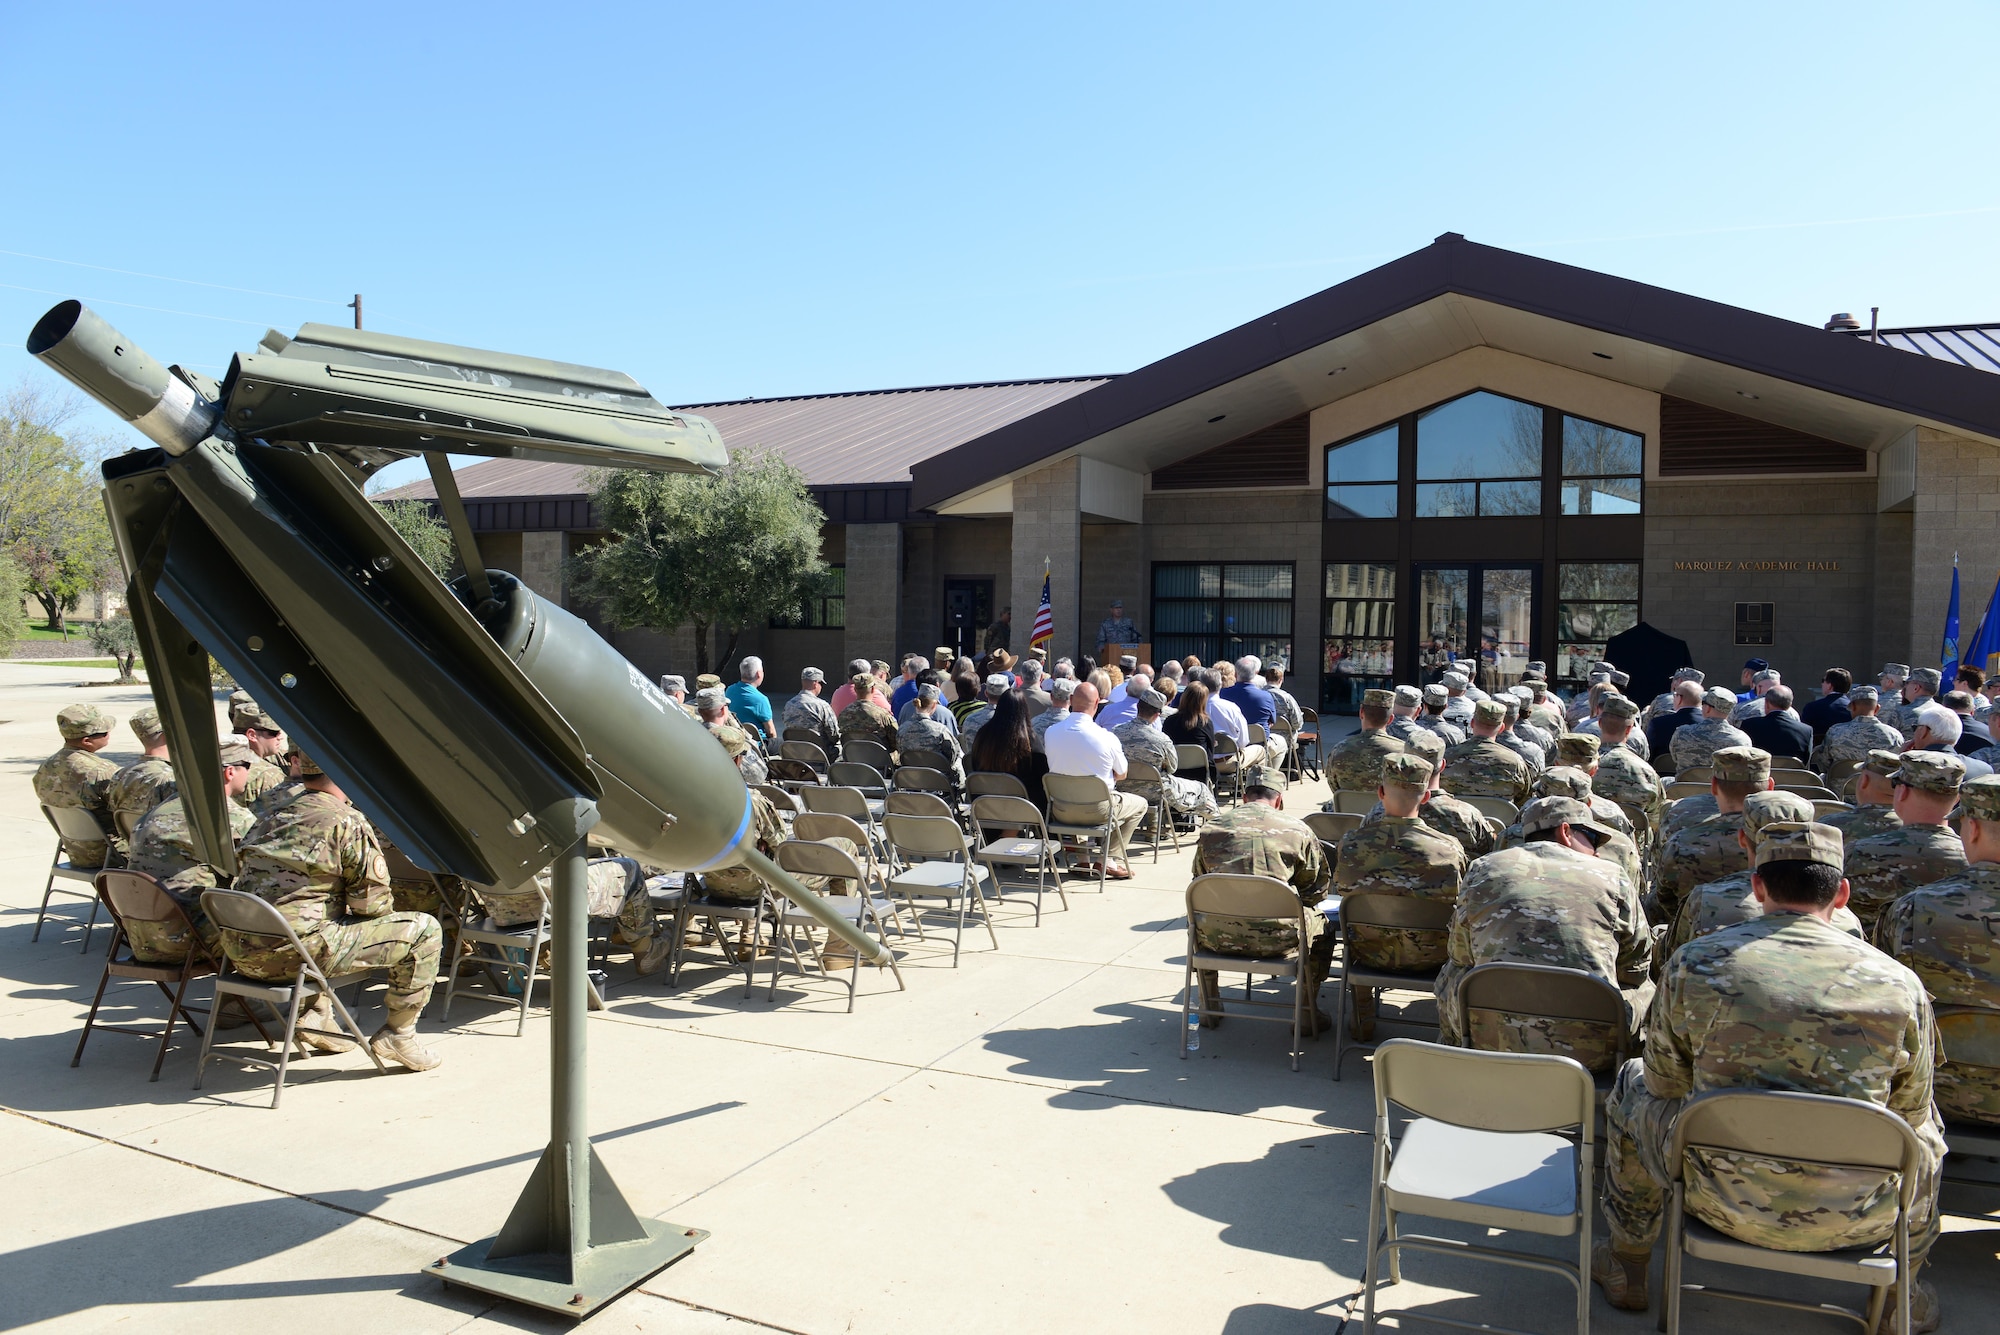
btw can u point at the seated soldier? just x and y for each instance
(1884, 867)
(163, 848)
(614, 887)
(930, 728)
(277, 794)
(1620, 774)
(808, 711)
(712, 707)
(738, 885)
(317, 860)
(1874, 800)
(1396, 854)
(1786, 1002)
(1567, 781)
(864, 720)
(1717, 904)
(1446, 814)
(1708, 850)
(268, 740)
(1864, 731)
(1144, 740)
(1944, 933)
(1693, 745)
(1511, 737)
(1256, 838)
(76, 776)
(1551, 901)
(1432, 718)
(1481, 766)
(143, 784)
(1354, 764)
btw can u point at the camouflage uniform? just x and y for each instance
(1568, 781)
(163, 848)
(815, 715)
(1684, 813)
(1395, 855)
(274, 797)
(1144, 741)
(1854, 739)
(1465, 823)
(1355, 764)
(74, 777)
(1256, 840)
(1696, 743)
(934, 732)
(137, 789)
(1522, 747)
(1484, 768)
(1442, 726)
(1863, 822)
(1546, 903)
(1902, 716)
(1635, 787)
(1884, 867)
(872, 723)
(1719, 902)
(1781, 1002)
(740, 885)
(318, 861)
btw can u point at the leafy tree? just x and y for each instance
(714, 553)
(51, 513)
(429, 536)
(13, 615)
(116, 638)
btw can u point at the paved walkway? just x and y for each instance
(1009, 1146)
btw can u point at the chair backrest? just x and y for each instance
(1354, 801)
(1969, 1035)
(1488, 1091)
(74, 824)
(838, 801)
(1824, 807)
(924, 758)
(1226, 746)
(1409, 912)
(247, 915)
(1497, 807)
(986, 782)
(1700, 774)
(1311, 717)
(1143, 774)
(854, 774)
(786, 802)
(921, 779)
(1541, 990)
(799, 735)
(1679, 789)
(133, 896)
(1258, 734)
(805, 857)
(1840, 771)
(1283, 725)
(918, 803)
(1812, 792)
(810, 752)
(926, 836)
(1798, 1128)
(1332, 826)
(1077, 790)
(1006, 812)
(791, 771)
(1231, 895)
(866, 751)
(817, 825)
(1190, 755)
(1788, 762)
(126, 821)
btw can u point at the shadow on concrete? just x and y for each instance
(1270, 1319)
(1261, 1206)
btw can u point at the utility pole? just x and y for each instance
(355, 306)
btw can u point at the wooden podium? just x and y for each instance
(1113, 652)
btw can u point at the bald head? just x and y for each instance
(1083, 700)
(1687, 693)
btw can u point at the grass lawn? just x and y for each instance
(79, 634)
(76, 662)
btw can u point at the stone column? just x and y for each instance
(1048, 523)
(1957, 509)
(542, 556)
(874, 590)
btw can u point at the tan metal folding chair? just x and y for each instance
(1806, 1129)
(78, 824)
(1680, 788)
(1823, 808)
(801, 735)
(854, 804)
(924, 759)
(1407, 912)
(919, 779)
(1700, 774)
(1083, 790)
(863, 751)
(919, 802)
(938, 864)
(1332, 826)
(855, 774)
(811, 752)
(1354, 801)
(1970, 1037)
(247, 915)
(1483, 1150)
(1144, 779)
(1293, 766)
(1308, 738)
(1545, 990)
(792, 774)
(1225, 897)
(1840, 771)
(514, 952)
(784, 799)
(1497, 807)
(1012, 833)
(987, 784)
(1228, 766)
(808, 858)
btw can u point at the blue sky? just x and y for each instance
(742, 200)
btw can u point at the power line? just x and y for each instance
(168, 278)
(163, 310)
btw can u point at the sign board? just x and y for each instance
(1753, 624)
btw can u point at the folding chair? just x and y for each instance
(855, 774)
(1309, 737)
(1229, 766)
(1023, 842)
(1806, 1129)
(1545, 991)
(786, 801)
(247, 915)
(1354, 801)
(1680, 788)
(1083, 790)
(1812, 792)
(1497, 807)
(920, 779)
(792, 774)
(811, 752)
(1144, 779)
(1260, 736)
(133, 897)
(820, 826)
(938, 864)
(1226, 897)
(1293, 766)
(1331, 827)
(78, 824)
(1482, 1150)
(1190, 759)
(1840, 771)
(800, 735)
(807, 858)
(988, 784)
(1822, 807)
(513, 951)
(1781, 761)
(1365, 909)
(918, 802)
(923, 759)
(1700, 774)
(853, 804)
(866, 751)
(1970, 1036)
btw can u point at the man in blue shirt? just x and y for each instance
(747, 702)
(1751, 668)
(1257, 704)
(906, 690)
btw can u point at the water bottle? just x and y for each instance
(1194, 1031)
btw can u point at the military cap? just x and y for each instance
(1577, 748)
(146, 724)
(1545, 813)
(1604, 665)
(1378, 699)
(812, 674)
(1621, 706)
(1690, 674)
(734, 740)
(1717, 698)
(1799, 841)
(1741, 764)
(1264, 776)
(1489, 711)
(235, 750)
(942, 655)
(1510, 702)
(880, 666)
(1455, 681)
(1436, 693)
(1152, 699)
(1620, 679)
(997, 682)
(671, 682)
(308, 767)
(1754, 664)
(710, 697)
(1426, 744)
(1407, 768)
(1521, 690)
(1980, 798)
(80, 721)
(1762, 809)
(1868, 693)
(1563, 781)
(1900, 671)
(1062, 688)
(1409, 696)
(1126, 662)
(927, 692)
(863, 684)
(245, 712)
(706, 681)
(1930, 677)
(1884, 764)
(1931, 771)
(1537, 665)
(1768, 674)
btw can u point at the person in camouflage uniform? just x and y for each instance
(1863, 732)
(930, 729)
(1465, 823)
(1142, 739)
(1946, 933)
(1527, 728)
(1458, 701)
(1693, 744)
(1874, 800)
(1664, 702)
(866, 721)
(163, 848)
(1510, 737)
(1783, 1001)
(1546, 711)
(1432, 718)
(1355, 763)
(1717, 904)
(1919, 690)
(1619, 774)
(317, 860)
(274, 795)
(268, 741)
(1482, 767)
(1256, 838)
(1568, 781)
(809, 711)
(712, 709)
(1551, 901)
(1708, 850)
(1396, 854)
(1404, 713)
(143, 784)
(77, 776)
(1883, 867)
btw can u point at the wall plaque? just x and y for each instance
(1753, 623)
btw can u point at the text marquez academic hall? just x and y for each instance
(1466, 448)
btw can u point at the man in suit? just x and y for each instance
(1779, 730)
(1687, 709)
(1831, 707)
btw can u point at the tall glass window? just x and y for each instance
(1358, 623)
(1594, 601)
(1602, 469)
(1222, 610)
(1361, 476)
(1479, 455)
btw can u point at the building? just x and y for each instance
(1466, 449)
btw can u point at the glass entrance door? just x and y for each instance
(1483, 612)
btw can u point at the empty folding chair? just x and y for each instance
(864, 751)
(920, 779)
(513, 951)
(810, 752)
(1406, 913)
(1308, 741)
(938, 864)
(1970, 1038)
(918, 802)
(853, 804)
(854, 774)
(233, 911)
(864, 908)
(985, 784)
(1816, 1132)
(820, 826)
(1012, 833)
(1222, 897)
(1483, 1150)
(1681, 788)
(792, 774)
(1284, 728)
(924, 759)
(802, 735)
(1497, 807)
(784, 800)
(79, 825)
(1228, 767)
(1079, 792)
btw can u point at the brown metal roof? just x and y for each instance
(834, 439)
(1974, 345)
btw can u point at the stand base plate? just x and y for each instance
(576, 1286)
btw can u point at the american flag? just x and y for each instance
(1045, 616)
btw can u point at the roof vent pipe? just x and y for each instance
(1844, 321)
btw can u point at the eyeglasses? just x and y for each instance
(262, 732)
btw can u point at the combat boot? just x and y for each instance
(321, 1017)
(655, 956)
(397, 1042)
(1623, 1278)
(1924, 1311)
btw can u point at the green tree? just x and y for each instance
(51, 512)
(13, 612)
(429, 536)
(117, 638)
(712, 553)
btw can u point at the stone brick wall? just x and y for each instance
(1957, 509)
(874, 590)
(1047, 523)
(1114, 566)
